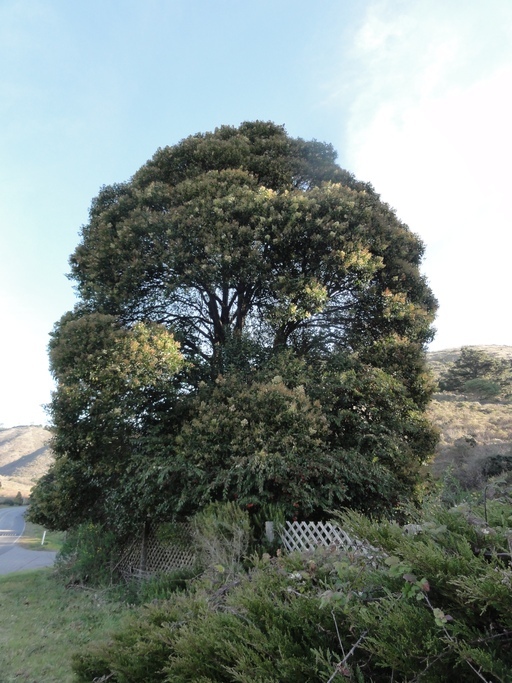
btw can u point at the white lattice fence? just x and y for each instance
(310, 535)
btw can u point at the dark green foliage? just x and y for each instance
(425, 603)
(481, 388)
(296, 297)
(115, 390)
(260, 627)
(88, 555)
(221, 535)
(496, 464)
(158, 587)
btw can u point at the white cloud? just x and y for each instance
(25, 382)
(430, 128)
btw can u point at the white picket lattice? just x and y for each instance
(303, 536)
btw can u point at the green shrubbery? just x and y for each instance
(222, 533)
(479, 373)
(88, 554)
(431, 601)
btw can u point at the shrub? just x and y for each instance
(263, 626)
(7, 501)
(496, 464)
(482, 388)
(222, 534)
(432, 602)
(88, 555)
(154, 589)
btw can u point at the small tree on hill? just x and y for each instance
(477, 372)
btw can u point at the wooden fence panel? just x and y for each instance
(144, 558)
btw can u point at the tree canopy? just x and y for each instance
(295, 296)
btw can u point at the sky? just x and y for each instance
(415, 96)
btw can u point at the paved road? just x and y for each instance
(12, 557)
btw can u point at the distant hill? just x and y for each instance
(24, 458)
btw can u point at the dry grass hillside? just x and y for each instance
(471, 430)
(24, 458)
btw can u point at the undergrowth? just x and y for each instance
(431, 601)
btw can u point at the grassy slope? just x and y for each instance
(33, 536)
(43, 623)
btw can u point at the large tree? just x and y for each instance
(294, 293)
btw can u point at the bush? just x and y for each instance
(496, 465)
(222, 534)
(430, 601)
(157, 588)
(482, 388)
(7, 501)
(261, 627)
(88, 555)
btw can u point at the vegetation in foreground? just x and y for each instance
(427, 601)
(431, 602)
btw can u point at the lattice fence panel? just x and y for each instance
(178, 553)
(303, 536)
(158, 556)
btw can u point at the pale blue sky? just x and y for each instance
(415, 95)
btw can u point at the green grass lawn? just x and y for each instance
(43, 623)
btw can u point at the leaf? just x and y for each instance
(392, 561)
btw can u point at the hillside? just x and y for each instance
(471, 431)
(24, 458)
